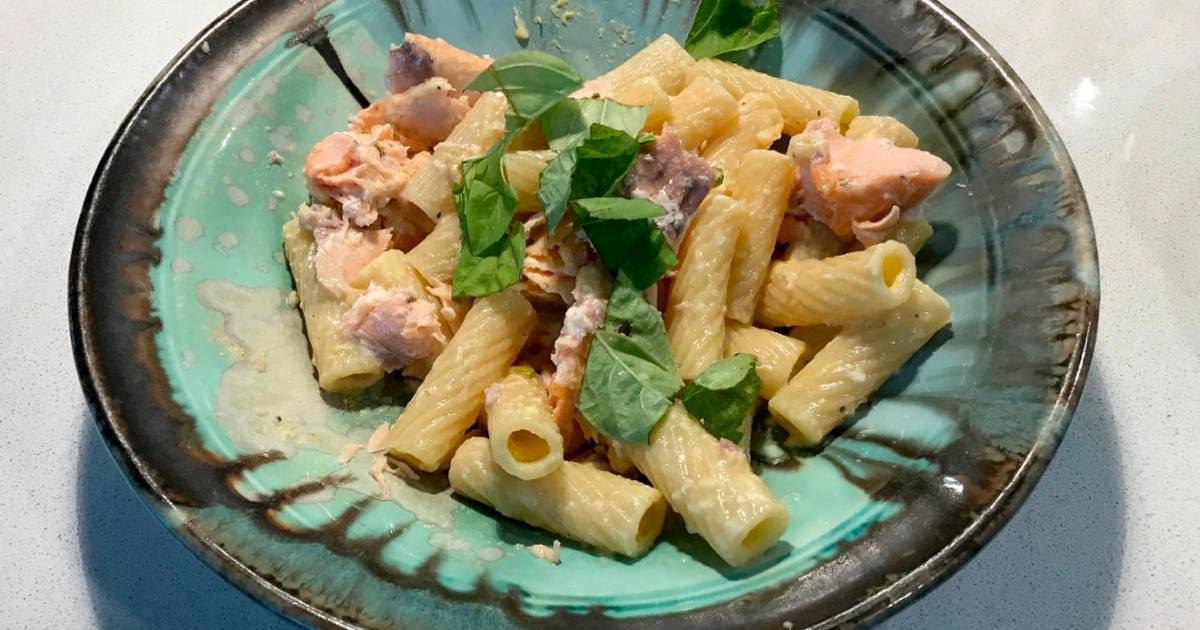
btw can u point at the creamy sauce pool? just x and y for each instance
(268, 399)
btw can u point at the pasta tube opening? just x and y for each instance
(524, 438)
(898, 270)
(761, 537)
(893, 266)
(527, 447)
(650, 525)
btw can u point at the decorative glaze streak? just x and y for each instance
(660, 16)
(316, 36)
(401, 15)
(468, 8)
(280, 499)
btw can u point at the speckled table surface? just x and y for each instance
(1108, 539)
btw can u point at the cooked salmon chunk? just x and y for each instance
(425, 114)
(395, 325)
(582, 319)
(551, 264)
(361, 171)
(672, 177)
(844, 181)
(420, 58)
(342, 250)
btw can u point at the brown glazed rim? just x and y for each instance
(107, 410)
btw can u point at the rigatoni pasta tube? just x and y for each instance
(523, 170)
(799, 104)
(702, 110)
(436, 255)
(695, 315)
(777, 354)
(646, 92)
(576, 501)
(813, 241)
(839, 289)
(758, 126)
(342, 365)
(523, 435)
(391, 270)
(710, 484)
(663, 59)
(814, 338)
(854, 364)
(913, 233)
(450, 398)
(762, 183)
(431, 187)
(882, 127)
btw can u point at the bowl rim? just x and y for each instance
(871, 609)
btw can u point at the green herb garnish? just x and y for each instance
(493, 269)
(624, 235)
(630, 377)
(567, 123)
(493, 249)
(533, 82)
(725, 26)
(485, 201)
(723, 395)
(598, 128)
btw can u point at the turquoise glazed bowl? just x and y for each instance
(196, 370)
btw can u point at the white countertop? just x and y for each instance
(1109, 538)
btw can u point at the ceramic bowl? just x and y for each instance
(197, 373)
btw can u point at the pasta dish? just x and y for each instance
(604, 287)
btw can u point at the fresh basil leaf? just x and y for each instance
(622, 395)
(554, 186)
(603, 160)
(629, 311)
(492, 270)
(533, 82)
(617, 208)
(725, 26)
(630, 377)
(623, 234)
(594, 167)
(568, 122)
(484, 199)
(720, 177)
(723, 395)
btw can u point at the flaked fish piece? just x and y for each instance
(420, 116)
(583, 318)
(452, 311)
(877, 231)
(342, 250)
(398, 327)
(361, 171)
(409, 224)
(672, 177)
(551, 264)
(425, 114)
(842, 181)
(420, 58)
